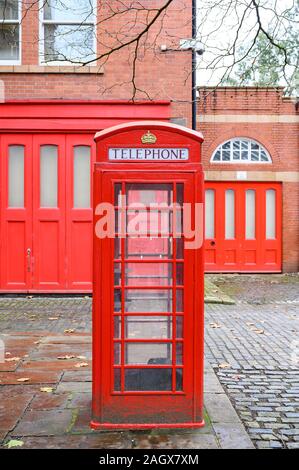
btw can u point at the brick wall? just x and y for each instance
(266, 116)
(161, 75)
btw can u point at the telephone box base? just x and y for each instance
(99, 426)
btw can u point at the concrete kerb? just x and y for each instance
(226, 424)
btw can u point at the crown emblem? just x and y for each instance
(148, 138)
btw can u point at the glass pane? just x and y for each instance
(180, 248)
(270, 214)
(48, 175)
(179, 326)
(117, 248)
(117, 354)
(149, 193)
(210, 213)
(148, 379)
(9, 10)
(264, 157)
(117, 194)
(226, 146)
(236, 155)
(180, 300)
(117, 274)
(16, 176)
(9, 42)
(179, 380)
(69, 10)
(117, 327)
(254, 155)
(217, 156)
(117, 300)
(179, 354)
(179, 274)
(148, 327)
(148, 353)
(250, 214)
(149, 248)
(68, 43)
(148, 300)
(117, 380)
(148, 274)
(225, 155)
(180, 194)
(236, 145)
(82, 177)
(229, 214)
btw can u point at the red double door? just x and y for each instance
(46, 215)
(242, 227)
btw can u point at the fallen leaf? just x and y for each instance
(224, 365)
(14, 443)
(46, 389)
(215, 325)
(259, 332)
(65, 358)
(13, 359)
(36, 342)
(23, 379)
(249, 324)
(81, 357)
(81, 364)
(69, 331)
(53, 318)
(8, 354)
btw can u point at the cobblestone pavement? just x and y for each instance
(254, 348)
(251, 346)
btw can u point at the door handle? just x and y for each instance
(213, 243)
(28, 260)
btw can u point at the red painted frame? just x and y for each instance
(147, 409)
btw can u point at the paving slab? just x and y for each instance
(43, 423)
(232, 436)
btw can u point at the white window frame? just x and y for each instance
(15, 22)
(240, 161)
(43, 22)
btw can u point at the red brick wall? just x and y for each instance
(280, 139)
(162, 75)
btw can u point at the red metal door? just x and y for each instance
(49, 269)
(16, 213)
(147, 300)
(80, 156)
(243, 227)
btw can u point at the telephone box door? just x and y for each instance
(150, 353)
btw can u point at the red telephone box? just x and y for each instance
(148, 277)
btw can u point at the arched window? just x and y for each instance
(241, 150)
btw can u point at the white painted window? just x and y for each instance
(16, 176)
(210, 213)
(229, 214)
(250, 214)
(68, 32)
(241, 150)
(82, 177)
(270, 214)
(48, 175)
(10, 32)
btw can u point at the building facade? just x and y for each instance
(52, 106)
(250, 157)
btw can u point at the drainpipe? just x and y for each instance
(193, 96)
